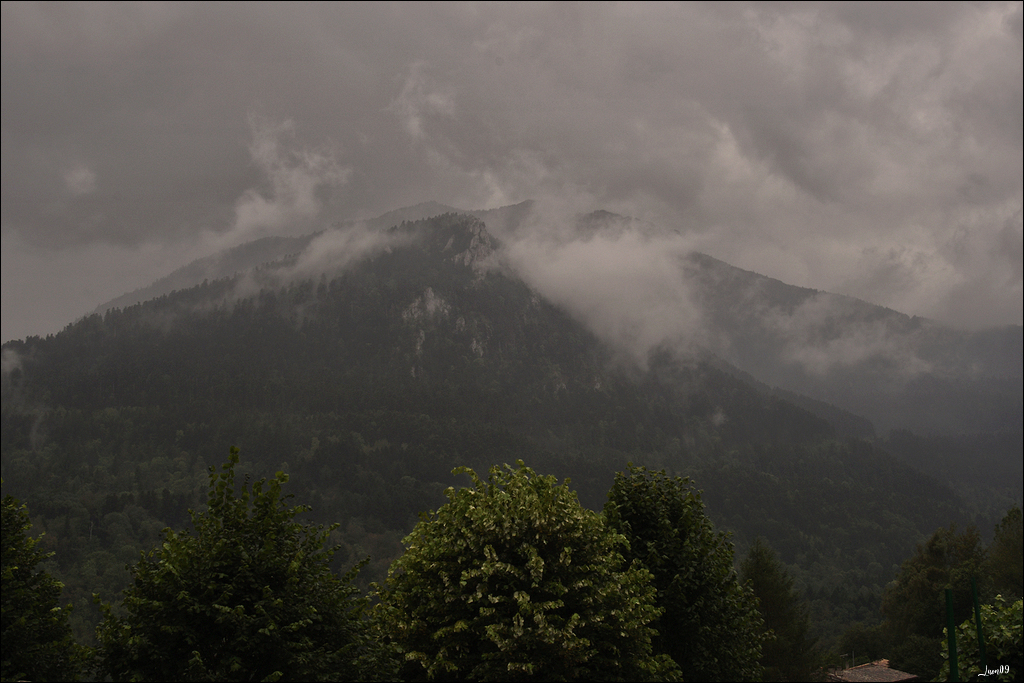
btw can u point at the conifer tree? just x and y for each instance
(914, 603)
(789, 654)
(36, 637)
(246, 594)
(710, 625)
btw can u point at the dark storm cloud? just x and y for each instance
(872, 149)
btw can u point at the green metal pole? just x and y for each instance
(954, 669)
(977, 622)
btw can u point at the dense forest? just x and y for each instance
(368, 386)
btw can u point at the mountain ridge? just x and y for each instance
(898, 371)
(368, 386)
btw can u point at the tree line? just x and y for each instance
(511, 579)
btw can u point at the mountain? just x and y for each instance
(250, 255)
(227, 263)
(900, 372)
(865, 369)
(418, 350)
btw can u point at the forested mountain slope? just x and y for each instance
(901, 372)
(898, 371)
(370, 382)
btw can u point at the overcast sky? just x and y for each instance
(867, 149)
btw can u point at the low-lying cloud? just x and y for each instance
(627, 288)
(826, 332)
(293, 176)
(871, 149)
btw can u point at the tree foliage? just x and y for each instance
(247, 593)
(710, 625)
(1005, 560)
(108, 427)
(513, 580)
(914, 603)
(1003, 628)
(789, 654)
(36, 638)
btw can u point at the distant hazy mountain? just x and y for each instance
(899, 371)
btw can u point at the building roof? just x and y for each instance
(872, 672)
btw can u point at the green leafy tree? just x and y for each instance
(513, 580)
(914, 603)
(710, 625)
(789, 655)
(247, 594)
(1003, 627)
(36, 638)
(1005, 561)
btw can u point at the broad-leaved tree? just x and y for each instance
(513, 579)
(1003, 629)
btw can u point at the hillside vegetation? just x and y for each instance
(367, 386)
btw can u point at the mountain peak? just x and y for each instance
(416, 212)
(462, 239)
